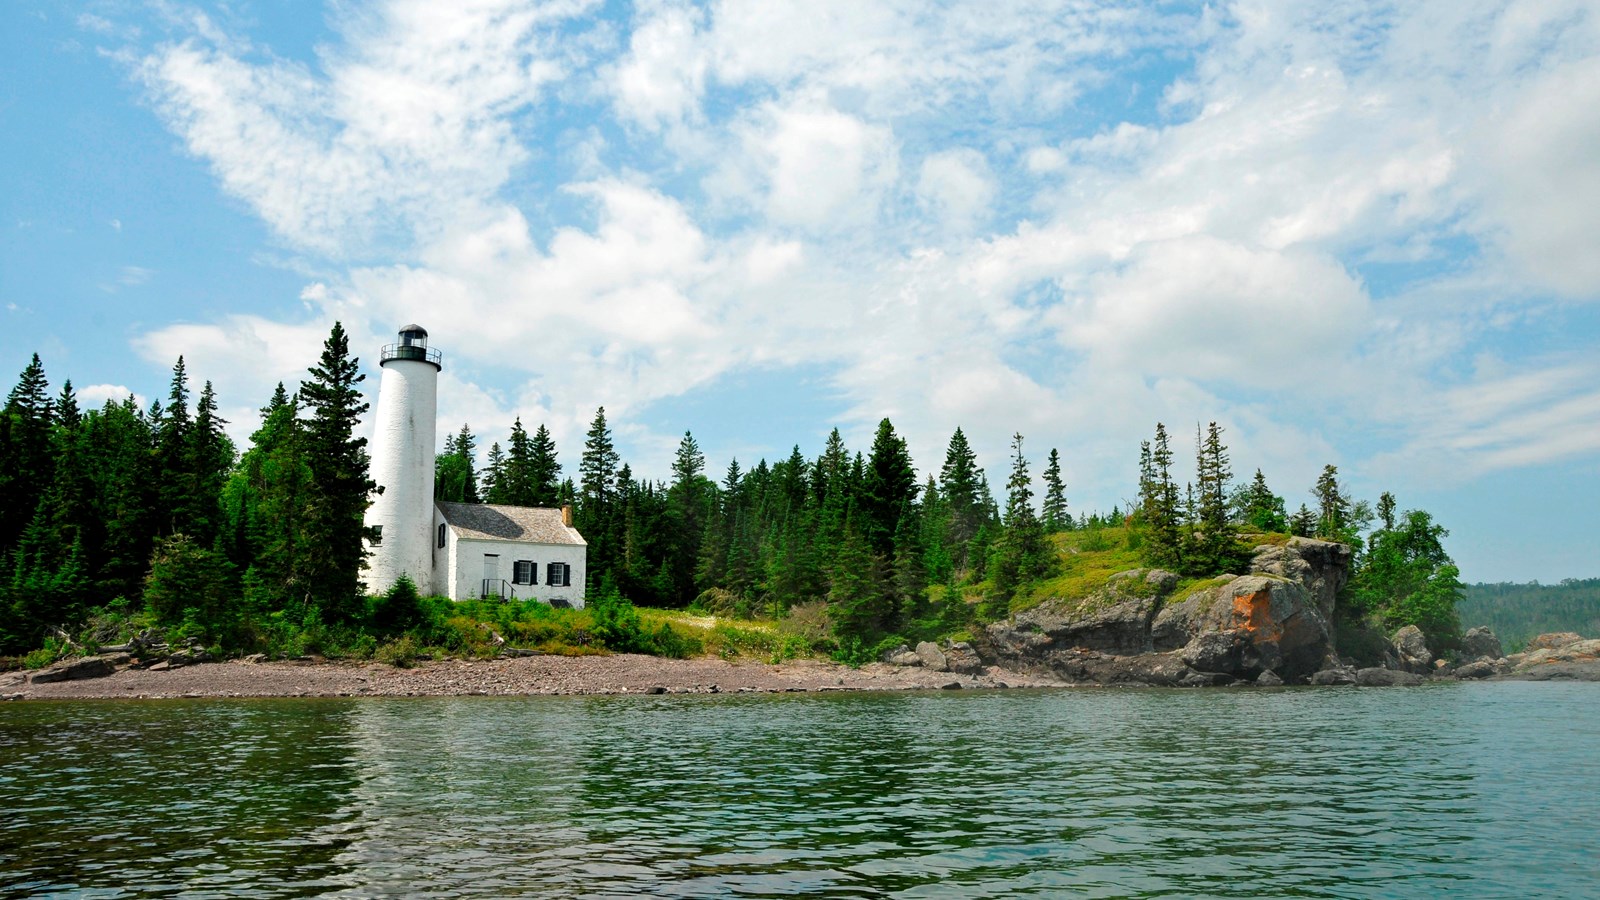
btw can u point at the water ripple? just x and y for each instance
(1481, 790)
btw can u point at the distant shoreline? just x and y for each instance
(614, 674)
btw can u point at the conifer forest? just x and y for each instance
(153, 511)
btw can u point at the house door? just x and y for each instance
(491, 575)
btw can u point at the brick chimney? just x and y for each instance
(566, 515)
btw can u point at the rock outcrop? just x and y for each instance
(1563, 656)
(1480, 643)
(1411, 649)
(1270, 624)
(82, 667)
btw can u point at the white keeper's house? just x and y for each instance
(457, 550)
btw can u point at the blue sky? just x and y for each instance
(1349, 232)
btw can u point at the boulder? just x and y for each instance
(1412, 649)
(932, 657)
(1327, 677)
(962, 659)
(1376, 677)
(1251, 624)
(1480, 642)
(1115, 619)
(188, 658)
(1554, 640)
(1321, 567)
(904, 658)
(1269, 678)
(74, 669)
(1482, 667)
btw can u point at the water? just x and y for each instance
(1482, 790)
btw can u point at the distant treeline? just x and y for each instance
(1518, 612)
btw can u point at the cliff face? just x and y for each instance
(1272, 624)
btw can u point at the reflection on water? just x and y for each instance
(1480, 790)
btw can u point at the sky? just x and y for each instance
(1351, 233)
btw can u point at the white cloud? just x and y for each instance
(615, 213)
(957, 188)
(661, 79)
(95, 396)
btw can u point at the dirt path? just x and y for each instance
(617, 674)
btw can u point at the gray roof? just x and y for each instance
(529, 524)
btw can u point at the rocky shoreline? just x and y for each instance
(1268, 628)
(99, 678)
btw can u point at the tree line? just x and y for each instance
(154, 508)
(126, 506)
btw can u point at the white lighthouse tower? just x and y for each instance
(403, 461)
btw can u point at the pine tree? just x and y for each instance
(493, 473)
(597, 515)
(1054, 511)
(1333, 508)
(959, 484)
(1162, 509)
(1260, 508)
(340, 487)
(25, 427)
(544, 471)
(1216, 544)
(890, 488)
(455, 476)
(1023, 553)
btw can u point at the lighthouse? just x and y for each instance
(402, 463)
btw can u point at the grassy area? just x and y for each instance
(1086, 561)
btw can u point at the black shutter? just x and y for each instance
(566, 575)
(550, 573)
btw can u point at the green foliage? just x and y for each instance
(190, 586)
(1520, 612)
(1407, 578)
(397, 609)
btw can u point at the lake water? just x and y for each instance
(1477, 790)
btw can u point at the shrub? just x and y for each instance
(400, 652)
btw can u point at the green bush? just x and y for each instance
(400, 652)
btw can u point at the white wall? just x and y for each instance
(402, 464)
(464, 561)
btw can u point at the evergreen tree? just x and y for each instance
(597, 515)
(493, 473)
(455, 476)
(1054, 511)
(690, 501)
(1259, 508)
(1023, 553)
(959, 485)
(340, 487)
(1216, 543)
(1163, 514)
(25, 427)
(890, 488)
(544, 471)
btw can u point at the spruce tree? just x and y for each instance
(544, 471)
(598, 516)
(455, 477)
(1054, 510)
(959, 484)
(25, 427)
(1260, 508)
(1333, 507)
(1163, 511)
(890, 488)
(340, 487)
(1216, 543)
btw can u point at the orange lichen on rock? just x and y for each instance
(1253, 613)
